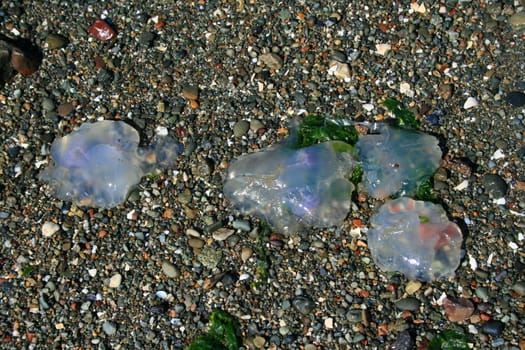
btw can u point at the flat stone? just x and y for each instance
(519, 287)
(408, 304)
(196, 243)
(246, 253)
(102, 30)
(115, 281)
(170, 270)
(64, 109)
(412, 287)
(445, 91)
(458, 309)
(470, 103)
(340, 70)
(209, 257)
(222, 233)
(49, 229)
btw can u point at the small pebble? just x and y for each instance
(49, 229)
(240, 128)
(303, 305)
(222, 233)
(494, 185)
(259, 342)
(102, 30)
(242, 225)
(170, 270)
(109, 328)
(55, 41)
(412, 287)
(458, 309)
(517, 21)
(408, 304)
(516, 98)
(271, 60)
(196, 243)
(115, 281)
(493, 327)
(246, 253)
(190, 92)
(470, 102)
(519, 287)
(64, 109)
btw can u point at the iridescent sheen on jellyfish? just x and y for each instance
(98, 164)
(291, 188)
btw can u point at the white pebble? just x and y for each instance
(49, 229)
(92, 272)
(382, 49)
(115, 280)
(470, 102)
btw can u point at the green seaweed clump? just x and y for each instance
(425, 192)
(316, 129)
(224, 334)
(449, 340)
(404, 118)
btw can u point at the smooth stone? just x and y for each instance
(115, 281)
(516, 98)
(222, 233)
(243, 225)
(49, 229)
(109, 328)
(519, 287)
(517, 21)
(493, 327)
(55, 41)
(404, 341)
(170, 270)
(196, 243)
(64, 109)
(259, 342)
(458, 309)
(408, 304)
(48, 104)
(412, 287)
(256, 124)
(482, 293)
(303, 304)
(246, 253)
(494, 185)
(241, 127)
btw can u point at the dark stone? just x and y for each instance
(404, 341)
(516, 98)
(494, 185)
(493, 327)
(408, 304)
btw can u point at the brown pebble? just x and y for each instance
(190, 92)
(445, 91)
(458, 309)
(64, 109)
(194, 104)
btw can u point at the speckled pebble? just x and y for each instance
(49, 229)
(115, 281)
(109, 328)
(494, 185)
(240, 128)
(170, 270)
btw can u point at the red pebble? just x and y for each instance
(102, 30)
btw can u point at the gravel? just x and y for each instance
(228, 78)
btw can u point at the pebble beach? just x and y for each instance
(227, 78)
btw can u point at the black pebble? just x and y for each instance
(516, 98)
(493, 327)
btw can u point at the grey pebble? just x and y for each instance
(240, 128)
(256, 124)
(303, 304)
(210, 257)
(516, 98)
(48, 104)
(519, 287)
(243, 225)
(170, 270)
(109, 328)
(408, 304)
(494, 185)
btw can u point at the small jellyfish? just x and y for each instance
(415, 238)
(98, 164)
(396, 161)
(290, 187)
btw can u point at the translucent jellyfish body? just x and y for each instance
(415, 238)
(292, 187)
(100, 163)
(396, 161)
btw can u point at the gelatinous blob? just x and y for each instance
(415, 238)
(292, 187)
(98, 164)
(395, 161)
